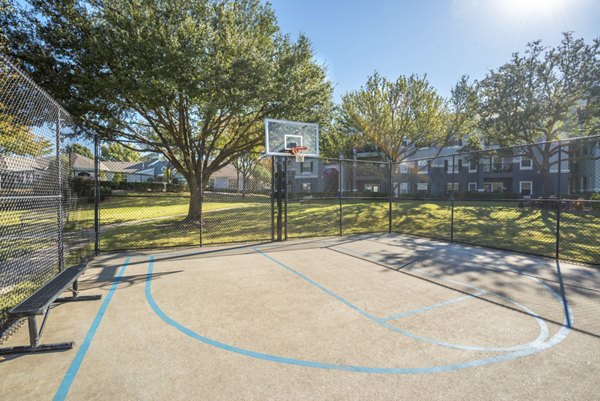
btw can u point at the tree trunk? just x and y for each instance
(194, 209)
(547, 181)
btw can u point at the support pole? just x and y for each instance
(559, 201)
(201, 195)
(452, 199)
(59, 216)
(96, 195)
(390, 194)
(273, 191)
(340, 192)
(279, 176)
(285, 204)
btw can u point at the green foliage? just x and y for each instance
(80, 150)
(117, 152)
(118, 177)
(17, 138)
(543, 95)
(179, 78)
(536, 96)
(396, 116)
(595, 197)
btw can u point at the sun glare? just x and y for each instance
(531, 7)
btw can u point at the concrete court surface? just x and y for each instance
(380, 317)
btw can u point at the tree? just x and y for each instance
(19, 116)
(337, 139)
(80, 150)
(18, 139)
(192, 80)
(543, 95)
(117, 152)
(397, 116)
(247, 166)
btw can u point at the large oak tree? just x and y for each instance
(542, 95)
(190, 79)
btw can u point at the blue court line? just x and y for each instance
(430, 307)
(69, 377)
(557, 338)
(319, 286)
(543, 335)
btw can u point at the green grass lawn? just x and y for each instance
(227, 219)
(134, 221)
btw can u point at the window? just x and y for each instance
(472, 187)
(371, 187)
(526, 163)
(583, 183)
(306, 167)
(450, 168)
(487, 164)
(404, 187)
(452, 187)
(306, 187)
(422, 165)
(232, 183)
(403, 168)
(422, 187)
(211, 182)
(472, 166)
(525, 188)
(493, 187)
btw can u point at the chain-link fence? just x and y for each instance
(540, 199)
(60, 197)
(46, 189)
(157, 209)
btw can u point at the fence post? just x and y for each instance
(340, 191)
(452, 200)
(273, 198)
(60, 195)
(201, 195)
(279, 177)
(390, 191)
(285, 205)
(96, 195)
(559, 200)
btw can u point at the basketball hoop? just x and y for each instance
(298, 152)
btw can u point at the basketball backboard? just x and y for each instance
(281, 136)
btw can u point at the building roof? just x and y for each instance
(25, 163)
(228, 171)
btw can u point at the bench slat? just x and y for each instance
(39, 301)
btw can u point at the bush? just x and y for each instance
(486, 196)
(84, 188)
(595, 205)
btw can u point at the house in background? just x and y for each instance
(143, 171)
(431, 171)
(20, 172)
(228, 178)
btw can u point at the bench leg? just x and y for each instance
(76, 297)
(34, 339)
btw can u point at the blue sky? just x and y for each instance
(442, 38)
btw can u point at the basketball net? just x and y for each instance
(297, 151)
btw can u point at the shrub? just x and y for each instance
(595, 197)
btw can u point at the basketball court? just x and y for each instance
(363, 317)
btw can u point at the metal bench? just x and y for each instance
(39, 303)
